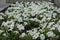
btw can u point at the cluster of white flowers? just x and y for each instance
(41, 20)
(42, 36)
(20, 26)
(34, 33)
(9, 25)
(50, 34)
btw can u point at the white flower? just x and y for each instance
(41, 11)
(17, 16)
(54, 15)
(34, 33)
(53, 28)
(16, 7)
(27, 3)
(2, 14)
(41, 15)
(49, 25)
(8, 24)
(32, 19)
(57, 26)
(42, 36)
(25, 15)
(48, 18)
(16, 32)
(58, 22)
(20, 26)
(11, 26)
(32, 13)
(23, 34)
(17, 3)
(4, 24)
(9, 14)
(50, 34)
(44, 25)
(25, 23)
(1, 17)
(4, 34)
(25, 18)
(35, 36)
(20, 19)
(43, 19)
(41, 30)
(26, 9)
(58, 10)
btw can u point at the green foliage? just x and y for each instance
(28, 37)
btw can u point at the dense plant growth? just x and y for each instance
(30, 21)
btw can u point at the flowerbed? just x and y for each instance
(30, 21)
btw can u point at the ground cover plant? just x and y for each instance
(30, 21)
